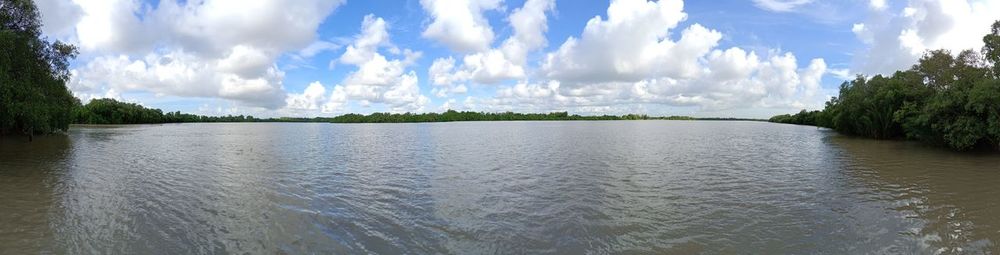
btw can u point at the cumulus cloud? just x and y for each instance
(776, 82)
(530, 24)
(781, 5)
(312, 98)
(601, 55)
(637, 55)
(214, 49)
(897, 38)
(599, 70)
(58, 17)
(444, 78)
(877, 4)
(496, 65)
(181, 74)
(378, 78)
(459, 24)
(114, 27)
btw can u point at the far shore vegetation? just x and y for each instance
(111, 111)
(944, 100)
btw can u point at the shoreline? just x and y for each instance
(403, 122)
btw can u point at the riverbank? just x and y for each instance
(452, 116)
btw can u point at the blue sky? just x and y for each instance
(742, 58)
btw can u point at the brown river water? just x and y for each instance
(633, 187)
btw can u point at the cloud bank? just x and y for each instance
(633, 56)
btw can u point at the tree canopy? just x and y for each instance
(945, 99)
(33, 73)
(111, 111)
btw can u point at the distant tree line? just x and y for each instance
(452, 115)
(947, 100)
(724, 119)
(802, 118)
(111, 111)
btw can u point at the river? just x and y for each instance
(652, 187)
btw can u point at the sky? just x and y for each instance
(307, 58)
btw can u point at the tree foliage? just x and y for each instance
(945, 99)
(111, 111)
(991, 49)
(804, 117)
(33, 73)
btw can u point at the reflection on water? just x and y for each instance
(950, 199)
(29, 175)
(491, 187)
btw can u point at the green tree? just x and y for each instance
(991, 48)
(811, 118)
(947, 115)
(984, 103)
(945, 99)
(33, 74)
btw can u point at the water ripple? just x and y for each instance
(648, 187)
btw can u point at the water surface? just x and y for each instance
(491, 187)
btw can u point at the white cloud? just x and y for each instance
(245, 61)
(600, 71)
(508, 62)
(897, 38)
(113, 27)
(732, 64)
(215, 25)
(445, 79)
(781, 5)
(451, 104)
(776, 82)
(311, 99)
(181, 74)
(843, 74)
(318, 47)
(365, 45)
(636, 56)
(492, 66)
(812, 76)
(459, 24)
(222, 48)
(338, 98)
(378, 79)
(877, 4)
(58, 17)
(601, 55)
(530, 24)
